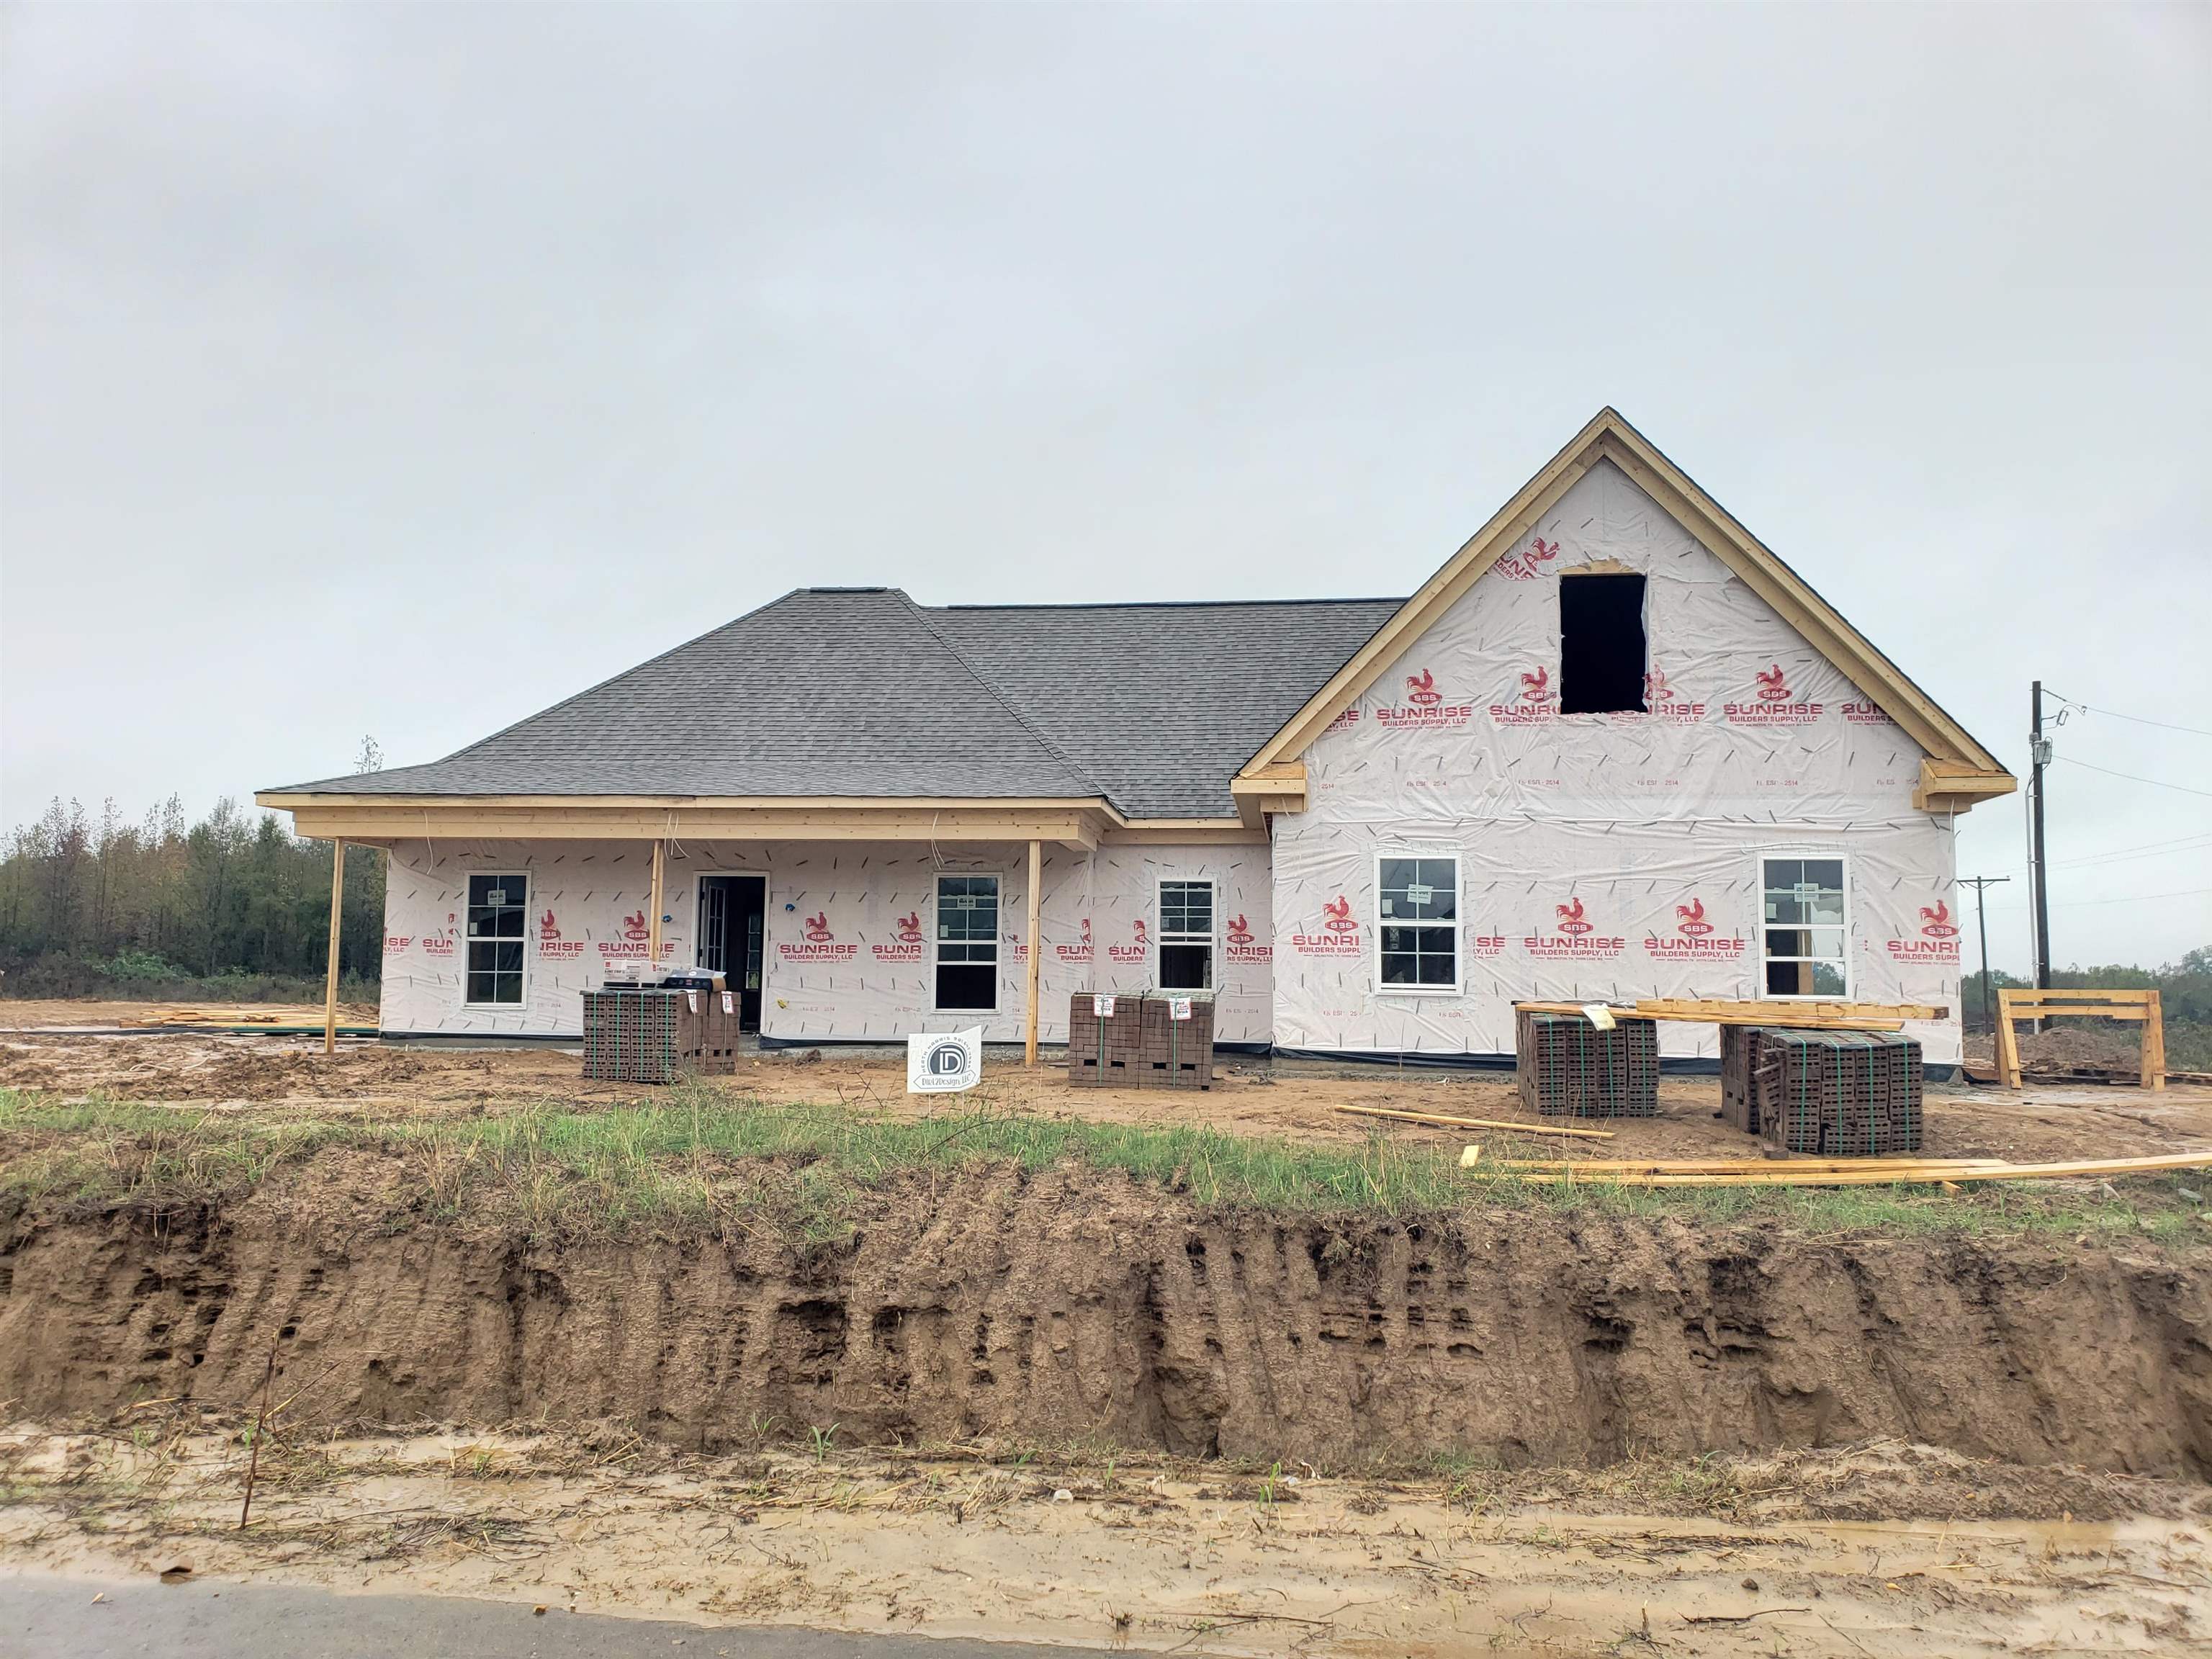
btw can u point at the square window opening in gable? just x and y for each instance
(1601, 645)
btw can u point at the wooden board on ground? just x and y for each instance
(1874, 1173)
(260, 1013)
(1476, 1122)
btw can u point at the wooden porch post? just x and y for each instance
(330, 969)
(1037, 949)
(652, 932)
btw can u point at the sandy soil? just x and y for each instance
(1759, 1556)
(1286, 1099)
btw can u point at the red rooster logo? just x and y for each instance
(1692, 920)
(1773, 684)
(1239, 933)
(1542, 551)
(1655, 689)
(1536, 687)
(1421, 689)
(817, 929)
(1086, 932)
(1936, 920)
(1571, 917)
(909, 928)
(1137, 930)
(1338, 915)
(546, 930)
(634, 928)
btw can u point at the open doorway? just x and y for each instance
(732, 923)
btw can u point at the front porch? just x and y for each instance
(853, 922)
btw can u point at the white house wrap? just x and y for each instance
(1365, 826)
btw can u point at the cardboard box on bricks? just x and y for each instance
(1567, 1067)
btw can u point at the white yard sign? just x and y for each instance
(944, 1063)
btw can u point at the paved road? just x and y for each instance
(44, 1617)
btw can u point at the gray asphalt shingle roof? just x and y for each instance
(859, 691)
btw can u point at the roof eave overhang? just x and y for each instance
(1609, 437)
(1076, 822)
(1278, 787)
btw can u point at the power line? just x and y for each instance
(2163, 849)
(2133, 899)
(2114, 714)
(2159, 782)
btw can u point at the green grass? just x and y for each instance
(698, 1162)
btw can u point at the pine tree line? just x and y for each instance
(234, 905)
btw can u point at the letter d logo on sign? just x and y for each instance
(945, 1063)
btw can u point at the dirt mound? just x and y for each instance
(1064, 1304)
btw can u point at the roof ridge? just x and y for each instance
(1170, 604)
(921, 616)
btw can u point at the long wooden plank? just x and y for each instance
(1784, 1176)
(1476, 1122)
(1785, 1012)
(2008, 1046)
(330, 973)
(2076, 994)
(1796, 1022)
(1735, 1165)
(1035, 946)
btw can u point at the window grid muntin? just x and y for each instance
(1417, 922)
(1804, 924)
(1185, 934)
(495, 951)
(967, 928)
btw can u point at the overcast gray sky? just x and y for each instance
(402, 370)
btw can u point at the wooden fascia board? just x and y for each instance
(287, 800)
(1950, 786)
(357, 821)
(1208, 832)
(1279, 786)
(1435, 596)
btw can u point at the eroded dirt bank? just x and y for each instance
(1070, 1304)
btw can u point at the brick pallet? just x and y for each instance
(1102, 1049)
(1176, 1054)
(1566, 1067)
(1843, 1094)
(656, 1036)
(1139, 1045)
(1739, 1051)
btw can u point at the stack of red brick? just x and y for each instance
(1136, 1041)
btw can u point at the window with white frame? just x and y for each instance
(1418, 925)
(499, 925)
(1186, 936)
(1803, 937)
(968, 943)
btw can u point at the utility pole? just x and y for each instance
(1982, 925)
(2039, 755)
